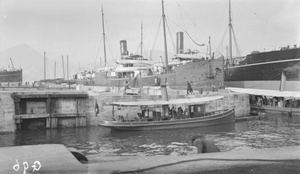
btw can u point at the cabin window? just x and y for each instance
(192, 108)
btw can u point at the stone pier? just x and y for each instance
(42, 109)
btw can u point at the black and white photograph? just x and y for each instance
(150, 86)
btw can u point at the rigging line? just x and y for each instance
(173, 43)
(152, 23)
(264, 19)
(188, 14)
(253, 12)
(238, 51)
(98, 50)
(96, 46)
(110, 49)
(156, 34)
(137, 49)
(145, 52)
(222, 40)
(193, 40)
(181, 15)
(186, 33)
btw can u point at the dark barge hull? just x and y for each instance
(11, 76)
(264, 71)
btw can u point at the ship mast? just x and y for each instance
(230, 31)
(67, 67)
(142, 39)
(209, 42)
(44, 65)
(63, 66)
(105, 63)
(165, 39)
(55, 70)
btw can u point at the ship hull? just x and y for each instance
(271, 85)
(11, 76)
(202, 74)
(267, 74)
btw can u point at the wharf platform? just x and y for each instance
(55, 158)
(42, 109)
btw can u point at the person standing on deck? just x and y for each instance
(179, 113)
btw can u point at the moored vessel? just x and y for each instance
(11, 76)
(266, 70)
(156, 115)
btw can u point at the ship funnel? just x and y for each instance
(295, 46)
(179, 46)
(123, 47)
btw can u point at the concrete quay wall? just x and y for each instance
(41, 109)
(7, 111)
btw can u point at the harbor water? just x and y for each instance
(275, 131)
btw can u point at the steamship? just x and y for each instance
(274, 70)
(136, 71)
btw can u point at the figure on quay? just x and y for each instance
(189, 88)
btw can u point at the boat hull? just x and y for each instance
(216, 119)
(11, 76)
(264, 71)
(269, 85)
(276, 110)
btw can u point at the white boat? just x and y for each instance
(195, 116)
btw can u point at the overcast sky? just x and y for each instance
(73, 27)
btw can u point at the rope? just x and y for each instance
(221, 43)
(186, 33)
(156, 34)
(193, 39)
(171, 36)
(238, 51)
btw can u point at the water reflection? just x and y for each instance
(276, 132)
(71, 136)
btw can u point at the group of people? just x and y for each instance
(273, 101)
(173, 113)
(179, 114)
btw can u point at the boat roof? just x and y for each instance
(266, 92)
(169, 102)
